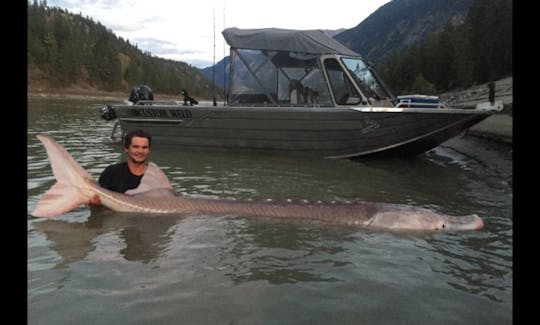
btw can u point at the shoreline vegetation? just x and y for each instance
(89, 93)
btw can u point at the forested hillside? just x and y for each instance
(475, 52)
(68, 50)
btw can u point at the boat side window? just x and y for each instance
(341, 86)
(253, 78)
(264, 77)
(300, 81)
(309, 89)
(315, 87)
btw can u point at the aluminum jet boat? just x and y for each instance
(302, 92)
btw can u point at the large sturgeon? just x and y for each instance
(155, 195)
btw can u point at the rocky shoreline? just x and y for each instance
(497, 127)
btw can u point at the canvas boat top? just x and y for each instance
(277, 39)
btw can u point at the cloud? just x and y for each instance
(132, 26)
(184, 31)
(161, 47)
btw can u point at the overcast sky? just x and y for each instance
(184, 30)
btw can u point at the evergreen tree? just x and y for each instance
(478, 51)
(422, 86)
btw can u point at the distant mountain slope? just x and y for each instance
(222, 72)
(400, 23)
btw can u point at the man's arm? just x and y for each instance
(104, 180)
(95, 200)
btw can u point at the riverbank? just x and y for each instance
(498, 127)
(89, 94)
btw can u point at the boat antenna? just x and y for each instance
(224, 65)
(214, 66)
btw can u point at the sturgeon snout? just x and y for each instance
(469, 222)
(414, 218)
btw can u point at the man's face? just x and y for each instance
(138, 150)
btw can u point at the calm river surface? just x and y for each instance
(100, 267)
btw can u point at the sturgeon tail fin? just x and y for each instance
(65, 195)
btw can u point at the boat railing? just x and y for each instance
(407, 103)
(500, 90)
(419, 101)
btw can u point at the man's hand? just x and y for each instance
(95, 200)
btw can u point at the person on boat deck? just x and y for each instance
(127, 175)
(188, 100)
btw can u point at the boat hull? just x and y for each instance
(322, 131)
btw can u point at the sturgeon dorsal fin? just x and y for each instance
(154, 178)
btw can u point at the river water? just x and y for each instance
(100, 267)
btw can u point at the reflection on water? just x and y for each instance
(278, 253)
(144, 237)
(157, 269)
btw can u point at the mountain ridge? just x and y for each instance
(401, 23)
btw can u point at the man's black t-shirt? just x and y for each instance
(119, 178)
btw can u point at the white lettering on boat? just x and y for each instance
(162, 113)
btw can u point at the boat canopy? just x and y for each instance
(284, 67)
(276, 39)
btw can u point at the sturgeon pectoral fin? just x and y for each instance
(154, 178)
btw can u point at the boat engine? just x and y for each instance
(107, 113)
(141, 93)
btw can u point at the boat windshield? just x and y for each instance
(365, 79)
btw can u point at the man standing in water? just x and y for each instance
(127, 175)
